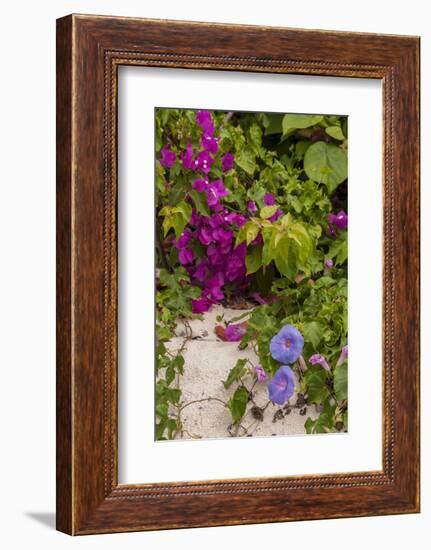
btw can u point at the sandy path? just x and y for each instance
(208, 360)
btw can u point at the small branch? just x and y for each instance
(201, 401)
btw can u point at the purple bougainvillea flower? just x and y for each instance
(329, 264)
(200, 184)
(276, 215)
(201, 305)
(216, 280)
(282, 386)
(184, 239)
(210, 143)
(201, 271)
(205, 235)
(318, 359)
(234, 333)
(260, 373)
(186, 256)
(251, 207)
(222, 235)
(203, 162)
(332, 231)
(195, 219)
(269, 199)
(215, 191)
(343, 355)
(287, 345)
(187, 157)
(167, 157)
(227, 162)
(214, 255)
(235, 268)
(340, 220)
(204, 119)
(215, 293)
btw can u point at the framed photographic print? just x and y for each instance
(237, 274)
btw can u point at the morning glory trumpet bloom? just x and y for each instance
(282, 385)
(318, 359)
(343, 355)
(287, 345)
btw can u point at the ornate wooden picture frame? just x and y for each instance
(89, 51)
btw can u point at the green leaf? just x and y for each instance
(298, 122)
(326, 163)
(173, 395)
(269, 248)
(245, 160)
(238, 403)
(256, 135)
(160, 428)
(268, 211)
(273, 124)
(299, 234)
(335, 132)
(248, 233)
(201, 202)
(176, 217)
(338, 249)
(235, 373)
(170, 375)
(162, 409)
(323, 424)
(315, 379)
(313, 333)
(179, 223)
(172, 425)
(340, 382)
(253, 260)
(252, 231)
(185, 209)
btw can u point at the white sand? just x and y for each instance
(208, 361)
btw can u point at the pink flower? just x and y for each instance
(251, 207)
(340, 220)
(210, 143)
(234, 333)
(260, 373)
(269, 199)
(167, 157)
(276, 215)
(203, 162)
(186, 256)
(227, 162)
(318, 359)
(201, 305)
(204, 119)
(187, 157)
(343, 355)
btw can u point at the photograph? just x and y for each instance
(251, 274)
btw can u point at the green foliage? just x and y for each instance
(301, 160)
(238, 403)
(235, 373)
(340, 382)
(326, 163)
(324, 423)
(294, 122)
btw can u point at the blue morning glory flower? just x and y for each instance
(286, 346)
(282, 386)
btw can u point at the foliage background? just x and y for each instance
(296, 251)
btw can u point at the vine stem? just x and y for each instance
(201, 401)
